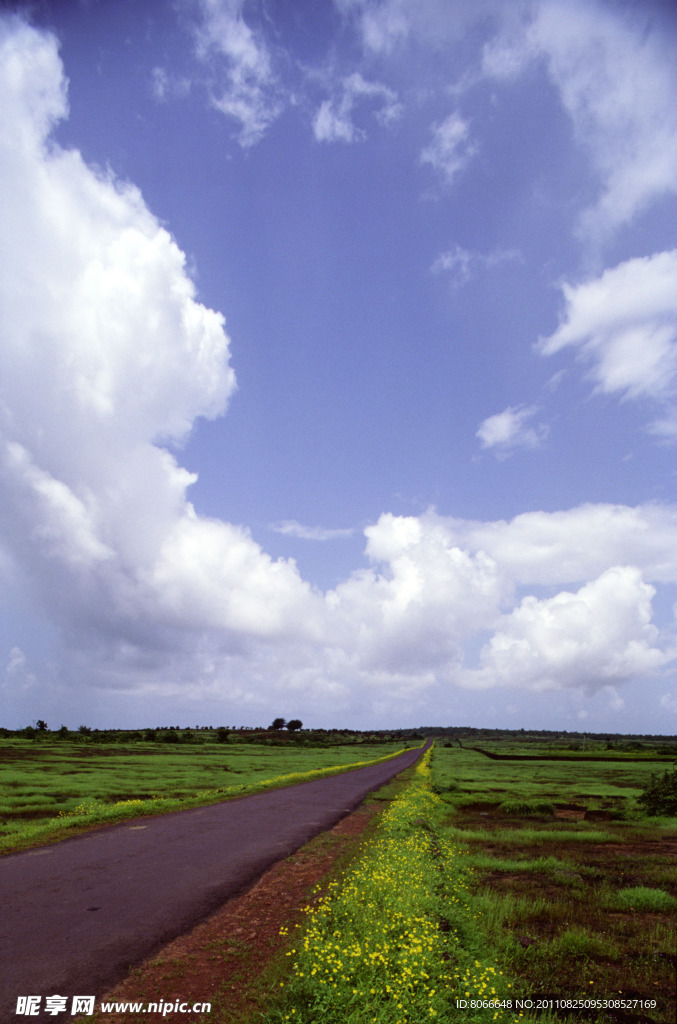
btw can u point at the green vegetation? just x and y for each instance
(394, 942)
(54, 789)
(659, 796)
(638, 897)
(570, 910)
(544, 876)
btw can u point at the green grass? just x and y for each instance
(571, 908)
(639, 897)
(393, 942)
(54, 790)
(529, 836)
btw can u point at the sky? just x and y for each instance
(338, 363)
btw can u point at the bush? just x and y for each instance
(660, 795)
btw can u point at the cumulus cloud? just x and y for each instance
(569, 546)
(334, 119)
(624, 325)
(451, 147)
(599, 636)
(108, 358)
(617, 82)
(245, 86)
(412, 610)
(507, 431)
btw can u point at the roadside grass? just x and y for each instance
(394, 941)
(570, 910)
(52, 792)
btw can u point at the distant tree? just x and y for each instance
(659, 796)
(277, 723)
(63, 731)
(295, 724)
(222, 734)
(41, 725)
(84, 730)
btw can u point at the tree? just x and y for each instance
(659, 796)
(41, 725)
(295, 724)
(278, 723)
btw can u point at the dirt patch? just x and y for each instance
(221, 960)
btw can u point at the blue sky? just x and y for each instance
(339, 350)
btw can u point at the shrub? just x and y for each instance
(660, 794)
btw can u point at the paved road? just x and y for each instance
(76, 915)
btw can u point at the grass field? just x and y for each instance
(488, 879)
(573, 889)
(45, 786)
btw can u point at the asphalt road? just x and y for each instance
(76, 915)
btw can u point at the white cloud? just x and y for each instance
(165, 85)
(669, 703)
(385, 26)
(577, 544)
(411, 612)
(461, 263)
(334, 119)
(107, 356)
(292, 528)
(451, 148)
(597, 637)
(508, 431)
(617, 80)
(616, 702)
(246, 87)
(17, 661)
(624, 324)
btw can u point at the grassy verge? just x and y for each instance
(571, 911)
(394, 942)
(90, 813)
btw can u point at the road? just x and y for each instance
(78, 914)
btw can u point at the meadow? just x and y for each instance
(51, 788)
(531, 890)
(487, 880)
(573, 888)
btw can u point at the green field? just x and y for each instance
(535, 878)
(44, 783)
(573, 888)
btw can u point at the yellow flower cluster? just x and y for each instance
(85, 808)
(379, 946)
